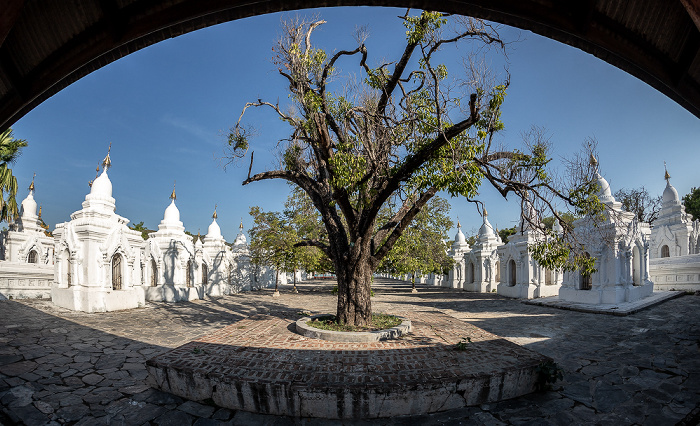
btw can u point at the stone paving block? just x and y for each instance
(197, 409)
(92, 379)
(30, 416)
(142, 413)
(94, 421)
(10, 359)
(203, 421)
(222, 414)
(43, 407)
(72, 413)
(174, 418)
(18, 368)
(134, 389)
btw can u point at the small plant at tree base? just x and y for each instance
(548, 372)
(463, 344)
(304, 313)
(334, 290)
(198, 350)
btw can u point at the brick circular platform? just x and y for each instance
(260, 365)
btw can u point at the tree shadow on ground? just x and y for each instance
(57, 368)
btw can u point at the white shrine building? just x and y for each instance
(171, 256)
(455, 279)
(482, 264)
(520, 275)
(675, 245)
(675, 233)
(98, 258)
(620, 247)
(240, 274)
(216, 269)
(26, 255)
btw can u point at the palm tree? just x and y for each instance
(10, 150)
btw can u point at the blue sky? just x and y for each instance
(166, 109)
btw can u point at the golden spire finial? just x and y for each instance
(666, 175)
(39, 211)
(172, 195)
(240, 227)
(107, 162)
(31, 185)
(459, 225)
(593, 162)
(485, 213)
(215, 216)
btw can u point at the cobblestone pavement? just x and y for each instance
(63, 367)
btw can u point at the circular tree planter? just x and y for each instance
(306, 330)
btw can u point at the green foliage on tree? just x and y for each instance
(271, 241)
(401, 131)
(10, 150)
(306, 223)
(505, 233)
(691, 201)
(275, 238)
(141, 228)
(422, 248)
(194, 237)
(567, 222)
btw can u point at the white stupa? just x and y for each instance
(26, 240)
(620, 246)
(171, 254)
(482, 271)
(26, 254)
(98, 265)
(520, 275)
(218, 258)
(675, 233)
(455, 279)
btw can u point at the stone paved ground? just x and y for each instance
(62, 367)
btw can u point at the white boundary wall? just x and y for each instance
(676, 273)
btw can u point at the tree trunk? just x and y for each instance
(354, 287)
(277, 274)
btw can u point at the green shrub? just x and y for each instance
(463, 344)
(548, 372)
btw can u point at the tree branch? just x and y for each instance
(410, 213)
(315, 243)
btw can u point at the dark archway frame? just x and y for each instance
(47, 45)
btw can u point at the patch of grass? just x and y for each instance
(379, 322)
(198, 350)
(463, 344)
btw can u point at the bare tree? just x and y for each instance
(638, 201)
